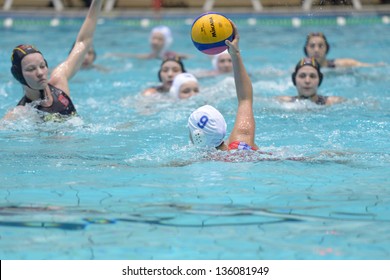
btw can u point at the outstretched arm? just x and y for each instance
(349, 62)
(244, 126)
(65, 71)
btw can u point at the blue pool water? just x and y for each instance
(122, 181)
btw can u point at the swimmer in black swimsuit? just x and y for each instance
(169, 69)
(30, 68)
(317, 46)
(61, 104)
(307, 77)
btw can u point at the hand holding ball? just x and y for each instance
(209, 32)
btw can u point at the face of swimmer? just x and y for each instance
(316, 47)
(35, 71)
(157, 41)
(224, 63)
(188, 89)
(169, 70)
(307, 81)
(89, 58)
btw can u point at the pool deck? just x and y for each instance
(295, 10)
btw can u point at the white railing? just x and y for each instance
(307, 4)
(207, 6)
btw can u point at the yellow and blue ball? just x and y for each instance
(209, 32)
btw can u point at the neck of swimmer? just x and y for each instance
(313, 97)
(35, 94)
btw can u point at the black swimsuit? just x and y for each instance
(159, 88)
(331, 63)
(320, 101)
(62, 104)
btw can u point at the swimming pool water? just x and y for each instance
(122, 181)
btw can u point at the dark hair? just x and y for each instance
(175, 58)
(310, 61)
(316, 34)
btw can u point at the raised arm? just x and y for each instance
(244, 126)
(65, 71)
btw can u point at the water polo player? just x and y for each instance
(307, 77)
(317, 46)
(29, 67)
(207, 125)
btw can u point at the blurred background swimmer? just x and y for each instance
(51, 95)
(89, 61)
(307, 77)
(178, 85)
(317, 46)
(169, 69)
(221, 63)
(185, 85)
(160, 41)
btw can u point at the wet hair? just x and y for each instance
(310, 61)
(316, 34)
(18, 53)
(175, 58)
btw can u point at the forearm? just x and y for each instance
(65, 71)
(242, 80)
(88, 28)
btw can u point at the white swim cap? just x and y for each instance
(178, 81)
(207, 127)
(166, 32)
(214, 61)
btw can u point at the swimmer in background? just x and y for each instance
(207, 126)
(222, 64)
(89, 61)
(169, 69)
(307, 77)
(29, 67)
(317, 46)
(160, 41)
(185, 85)
(178, 86)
